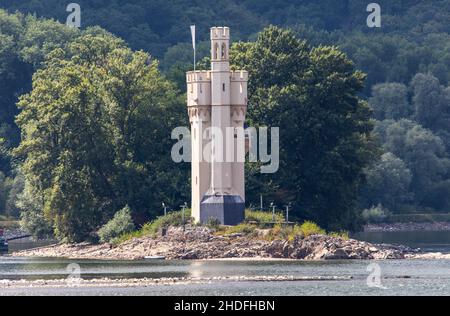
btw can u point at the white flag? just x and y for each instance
(193, 36)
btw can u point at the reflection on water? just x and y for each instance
(427, 241)
(400, 277)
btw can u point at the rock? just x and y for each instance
(337, 254)
(276, 248)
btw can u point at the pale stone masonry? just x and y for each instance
(218, 99)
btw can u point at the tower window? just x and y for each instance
(241, 88)
(216, 51)
(224, 51)
(223, 87)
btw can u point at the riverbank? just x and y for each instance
(408, 227)
(200, 243)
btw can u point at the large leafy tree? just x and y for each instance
(312, 95)
(96, 135)
(24, 43)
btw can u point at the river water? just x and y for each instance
(398, 277)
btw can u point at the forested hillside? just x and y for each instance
(407, 62)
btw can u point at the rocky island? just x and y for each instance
(198, 243)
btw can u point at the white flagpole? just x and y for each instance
(193, 45)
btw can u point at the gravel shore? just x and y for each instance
(105, 282)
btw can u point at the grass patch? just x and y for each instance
(343, 234)
(263, 218)
(246, 229)
(304, 230)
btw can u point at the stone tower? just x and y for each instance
(217, 105)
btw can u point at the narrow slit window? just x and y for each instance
(224, 51)
(216, 51)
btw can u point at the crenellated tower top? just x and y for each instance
(220, 46)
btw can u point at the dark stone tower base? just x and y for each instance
(228, 209)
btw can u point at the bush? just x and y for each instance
(121, 224)
(310, 228)
(35, 223)
(376, 214)
(171, 219)
(213, 223)
(151, 229)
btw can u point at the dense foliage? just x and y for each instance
(94, 134)
(85, 153)
(325, 142)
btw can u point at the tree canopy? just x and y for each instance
(95, 135)
(325, 141)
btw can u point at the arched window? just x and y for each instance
(224, 51)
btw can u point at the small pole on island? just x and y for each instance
(287, 212)
(261, 203)
(273, 211)
(165, 208)
(183, 217)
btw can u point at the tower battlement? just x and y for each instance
(198, 76)
(239, 75)
(220, 33)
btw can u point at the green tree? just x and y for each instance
(122, 223)
(390, 101)
(312, 95)
(431, 102)
(96, 135)
(388, 182)
(424, 154)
